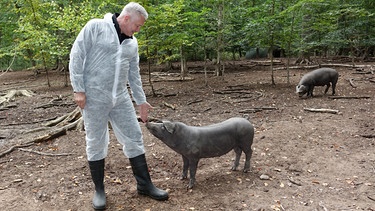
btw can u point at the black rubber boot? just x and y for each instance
(97, 174)
(144, 183)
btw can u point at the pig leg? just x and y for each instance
(248, 154)
(238, 152)
(328, 85)
(193, 169)
(333, 87)
(310, 91)
(185, 167)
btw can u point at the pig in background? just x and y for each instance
(318, 77)
(194, 143)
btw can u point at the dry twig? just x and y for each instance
(348, 97)
(44, 153)
(322, 110)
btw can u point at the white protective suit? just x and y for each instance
(101, 67)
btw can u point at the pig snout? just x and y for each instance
(301, 90)
(154, 128)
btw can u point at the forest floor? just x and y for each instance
(309, 160)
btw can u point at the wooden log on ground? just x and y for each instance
(51, 135)
(13, 93)
(349, 97)
(323, 65)
(13, 148)
(322, 110)
(44, 153)
(257, 109)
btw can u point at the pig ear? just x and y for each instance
(169, 126)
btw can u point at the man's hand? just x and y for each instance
(80, 99)
(143, 111)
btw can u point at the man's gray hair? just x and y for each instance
(132, 8)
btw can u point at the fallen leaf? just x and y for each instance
(118, 181)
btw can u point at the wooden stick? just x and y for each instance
(351, 83)
(170, 106)
(195, 101)
(15, 147)
(257, 109)
(322, 110)
(349, 97)
(43, 153)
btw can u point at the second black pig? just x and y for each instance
(318, 77)
(194, 143)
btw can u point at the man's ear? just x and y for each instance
(169, 126)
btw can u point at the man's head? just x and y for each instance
(132, 17)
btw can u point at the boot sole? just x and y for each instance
(153, 197)
(99, 207)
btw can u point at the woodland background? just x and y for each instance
(38, 34)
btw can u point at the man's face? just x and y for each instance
(133, 23)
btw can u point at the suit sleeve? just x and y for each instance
(78, 55)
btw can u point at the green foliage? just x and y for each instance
(39, 33)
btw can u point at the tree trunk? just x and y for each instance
(219, 70)
(183, 63)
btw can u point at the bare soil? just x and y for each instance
(302, 160)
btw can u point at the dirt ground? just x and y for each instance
(302, 160)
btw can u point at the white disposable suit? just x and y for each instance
(102, 67)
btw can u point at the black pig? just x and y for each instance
(318, 77)
(194, 143)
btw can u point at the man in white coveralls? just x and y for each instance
(103, 60)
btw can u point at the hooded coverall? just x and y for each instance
(101, 67)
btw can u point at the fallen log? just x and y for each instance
(258, 109)
(44, 153)
(349, 97)
(11, 149)
(51, 135)
(322, 110)
(58, 127)
(322, 65)
(368, 72)
(73, 120)
(13, 93)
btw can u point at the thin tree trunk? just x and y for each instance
(220, 20)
